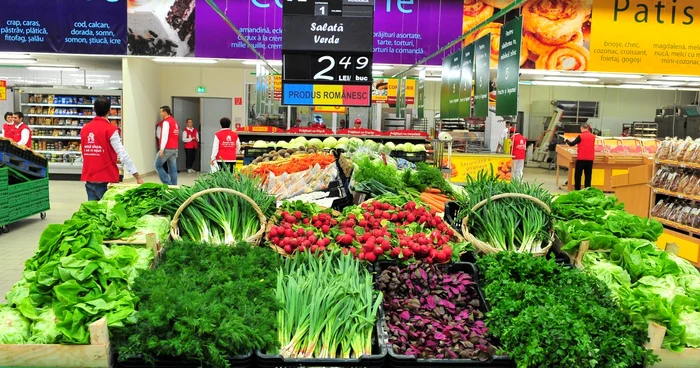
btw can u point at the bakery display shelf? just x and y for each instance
(62, 152)
(66, 137)
(677, 226)
(55, 126)
(684, 165)
(69, 116)
(89, 106)
(675, 194)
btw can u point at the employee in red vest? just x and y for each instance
(21, 132)
(6, 130)
(191, 138)
(585, 155)
(226, 146)
(159, 129)
(101, 146)
(358, 123)
(517, 150)
(169, 143)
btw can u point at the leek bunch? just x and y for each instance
(220, 218)
(330, 306)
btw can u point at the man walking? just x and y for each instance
(169, 142)
(226, 146)
(22, 135)
(517, 150)
(101, 145)
(191, 138)
(584, 157)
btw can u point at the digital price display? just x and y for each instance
(327, 52)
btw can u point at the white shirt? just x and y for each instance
(24, 139)
(215, 149)
(185, 138)
(164, 138)
(116, 143)
(158, 129)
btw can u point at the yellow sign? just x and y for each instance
(337, 109)
(3, 90)
(645, 36)
(386, 90)
(328, 94)
(464, 165)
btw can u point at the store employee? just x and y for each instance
(101, 145)
(585, 155)
(226, 146)
(22, 135)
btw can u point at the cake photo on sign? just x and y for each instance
(161, 27)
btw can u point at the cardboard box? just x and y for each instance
(640, 174)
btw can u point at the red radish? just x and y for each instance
(378, 251)
(441, 257)
(288, 249)
(361, 256)
(369, 257)
(301, 248)
(325, 229)
(395, 252)
(314, 248)
(407, 253)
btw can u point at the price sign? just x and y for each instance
(314, 33)
(313, 7)
(332, 67)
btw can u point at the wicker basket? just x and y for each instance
(487, 248)
(255, 239)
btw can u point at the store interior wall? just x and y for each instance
(182, 81)
(141, 106)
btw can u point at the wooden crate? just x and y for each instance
(94, 355)
(688, 358)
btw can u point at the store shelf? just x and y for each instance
(678, 226)
(685, 165)
(55, 126)
(69, 116)
(89, 106)
(66, 137)
(61, 152)
(675, 194)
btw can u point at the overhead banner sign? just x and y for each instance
(466, 82)
(509, 68)
(420, 95)
(482, 60)
(63, 26)
(445, 112)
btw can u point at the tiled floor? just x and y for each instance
(23, 239)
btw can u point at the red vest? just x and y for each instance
(519, 146)
(173, 135)
(18, 134)
(193, 135)
(8, 131)
(227, 145)
(586, 148)
(99, 158)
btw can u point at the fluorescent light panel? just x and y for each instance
(539, 72)
(680, 78)
(557, 83)
(664, 83)
(52, 68)
(612, 75)
(256, 62)
(184, 60)
(10, 55)
(570, 79)
(17, 61)
(381, 67)
(435, 79)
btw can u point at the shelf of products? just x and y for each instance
(644, 129)
(56, 118)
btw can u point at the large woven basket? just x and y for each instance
(487, 248)
(255, 239)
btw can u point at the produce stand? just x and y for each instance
(688, 358)
(470, 164)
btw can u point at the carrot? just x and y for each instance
(432, 202)
(437, 198)
(432, 190)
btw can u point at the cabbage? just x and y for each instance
(665, 287)
(315, 142)
(400, 147)
(419, 148)
(685, 266)
(381, 148)
(271, 145)
(301, 141)
(408, 147)
(691, 321)
(44, 329)
(341, 146)
(690, 283)
(370, 144)
(330, 142)
(260, 144)
(282, 144)
(343, 140)
(390, 146)
(15, 328)
(611, 274)
(354, 144)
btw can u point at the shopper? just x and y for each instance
(191, 138)
(358, 123)
(518, 147)
(505, 133)
(21, 133)
(585, 155)
(7, 128)
(226, 146)
(101, 146)
(169, 143)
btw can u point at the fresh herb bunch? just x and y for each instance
(426, 176)
(205, 303)
(370, 172)
(547, 315)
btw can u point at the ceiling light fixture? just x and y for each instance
(184, 60)
(381, 67)
(557, 83)
(612, 75)
(53, 68)
(570, 79)
(633, 86)
(16, 61)
(664, 83)
(10, 55)
(680, 78)
(434, 79)
(256, 62)
(539, 72)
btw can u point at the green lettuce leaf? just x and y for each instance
(14, 327)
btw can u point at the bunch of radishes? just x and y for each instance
(298, 233)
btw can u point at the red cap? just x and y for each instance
(358, 120)
(512, 129)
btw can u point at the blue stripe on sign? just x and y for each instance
(298, 94)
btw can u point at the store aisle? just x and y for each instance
(23, 239)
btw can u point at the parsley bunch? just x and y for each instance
(547, 315)
(204, 303)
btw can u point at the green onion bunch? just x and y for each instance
(220, 218)
(508, 224)
(329, 306)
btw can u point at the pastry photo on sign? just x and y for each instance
(161, 27)
(556, 33)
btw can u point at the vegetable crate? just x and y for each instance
(395, 360)
(241, 361)
(376, 360)
(23, 200)
(28, 164)
(688, 358)
(95, 355)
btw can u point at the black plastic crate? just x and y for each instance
(255, 152)
(409, 361)
(376, 360)
(241, 361)
(451, 211)
(410, 156)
